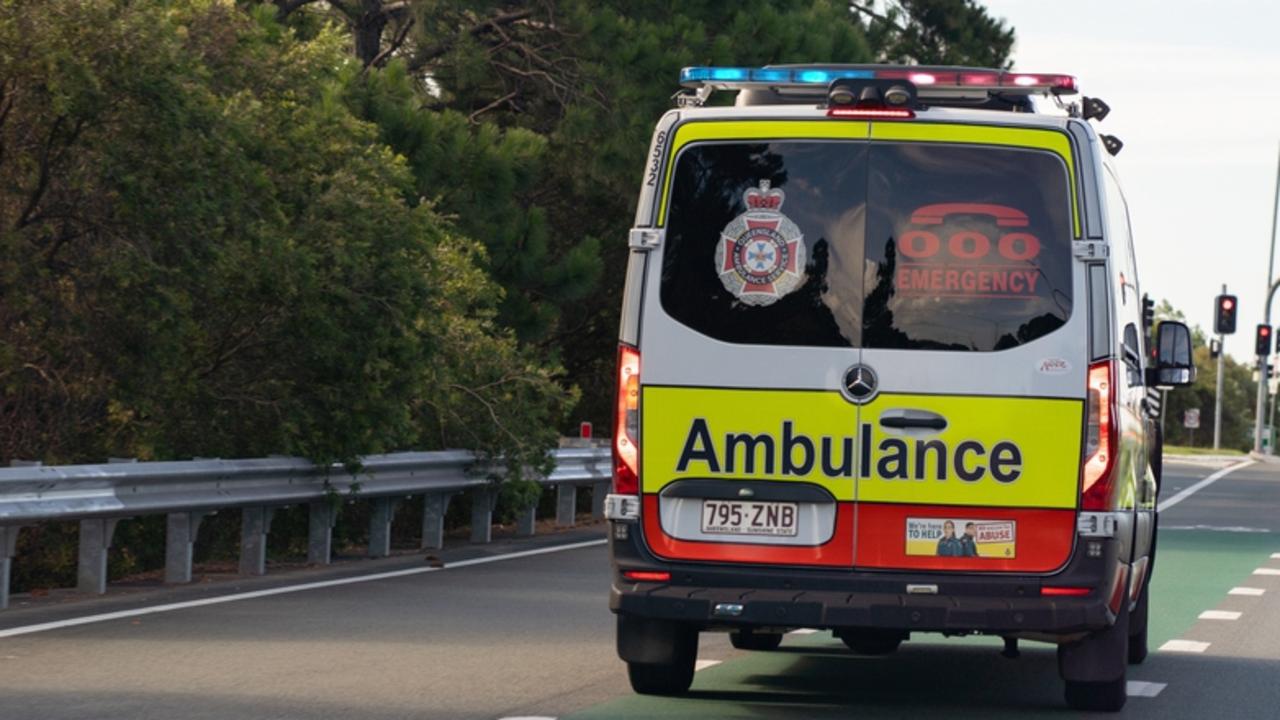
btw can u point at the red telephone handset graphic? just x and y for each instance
(936, 214)
(919, 244)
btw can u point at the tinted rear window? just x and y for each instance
(885, 245)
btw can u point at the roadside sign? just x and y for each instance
(1191, 418)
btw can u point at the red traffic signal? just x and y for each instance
(1224, 321)
(1263, 340)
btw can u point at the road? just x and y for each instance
(521, 629)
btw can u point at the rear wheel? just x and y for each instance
(672, 676)
(748, 640)
(1097, 696)
(872, 642)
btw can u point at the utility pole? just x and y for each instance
(1262, 361)
(1217, 393)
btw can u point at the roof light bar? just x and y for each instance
(696, 76)
(926, 77)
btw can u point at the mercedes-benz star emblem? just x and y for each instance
(860, 384)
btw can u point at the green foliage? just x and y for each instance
(937, 32)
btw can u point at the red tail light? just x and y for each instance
(626, 423)
(647, 575)
(1060, 591)
(1100, 439)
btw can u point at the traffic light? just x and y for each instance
(1262, 340)
(1225, 321)
(1215, 349)
(1148, 312)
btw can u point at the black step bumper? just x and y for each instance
(708, 595)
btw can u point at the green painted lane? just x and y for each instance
(1195, 569)
(814, 676)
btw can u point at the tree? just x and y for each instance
(936, 32)
(587, 80)
(203, 251)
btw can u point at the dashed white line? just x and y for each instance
(1140, 688)
(1246, 591)
(1275, 556)
(1220, 615)
(1267, 571)
(1185, 646)
(802, 631)
(72, 622)
(1188, 492)
(704, 664)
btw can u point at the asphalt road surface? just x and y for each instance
(521, 629)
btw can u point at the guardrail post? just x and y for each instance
(527, 523)
(255, 523)
(566, 504)
(483, 501)
(598, 492)
(95, 541)
(320, 532)
(8, 548)
(179, 540)
(384, 511)
(434, 506)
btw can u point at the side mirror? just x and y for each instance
(1173, 364)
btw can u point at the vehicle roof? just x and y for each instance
(935, 114)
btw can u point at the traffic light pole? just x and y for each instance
(1271, 291)
(1217, 394)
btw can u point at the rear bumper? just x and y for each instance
(705, 595)
(838, 610)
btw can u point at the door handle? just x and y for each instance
(903, 419)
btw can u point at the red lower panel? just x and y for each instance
(836, 552)
(1043, 538)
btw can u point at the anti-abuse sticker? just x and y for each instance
(961, 537)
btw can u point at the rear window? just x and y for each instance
(879, 245)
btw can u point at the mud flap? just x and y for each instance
(1100, 657)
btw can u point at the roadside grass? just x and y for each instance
(1188, 450)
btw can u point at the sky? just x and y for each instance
(1194, 90)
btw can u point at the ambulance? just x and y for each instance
(885, 367)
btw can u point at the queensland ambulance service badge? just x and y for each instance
(761, 255)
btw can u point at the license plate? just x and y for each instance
(741, 517)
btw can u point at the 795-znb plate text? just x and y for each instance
(744, 517)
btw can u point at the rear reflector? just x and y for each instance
(647, 575)
(1049, 591)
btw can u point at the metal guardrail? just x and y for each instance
(99, 496)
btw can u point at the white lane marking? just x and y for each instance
(1187, 646)
(1188, 492)
(1275, 556)
(1220, 615)
(704, 664)
(1245, 591)
(1267, 571)
(1140, 688)
(1217, 528)
(72, 622)
(803, 631)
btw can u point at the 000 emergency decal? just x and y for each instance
(995, 451)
